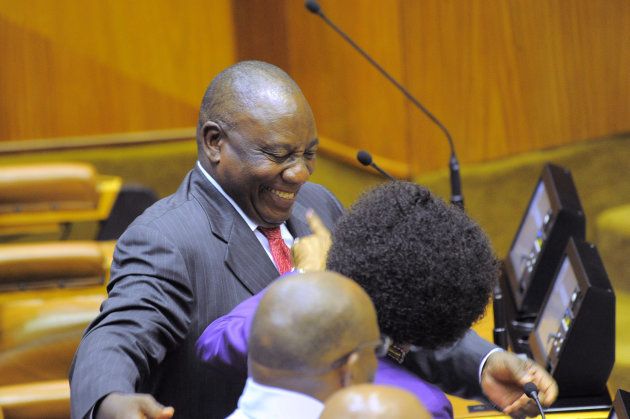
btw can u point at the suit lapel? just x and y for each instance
(245, 257)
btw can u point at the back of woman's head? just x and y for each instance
(427, 266)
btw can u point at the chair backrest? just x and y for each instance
(48, 187)
(51, 264)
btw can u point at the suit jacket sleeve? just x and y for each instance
(147, 313)
(454, 369)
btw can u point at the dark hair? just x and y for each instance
(427, 266)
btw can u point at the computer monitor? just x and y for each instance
(553, 215)
(574, 335)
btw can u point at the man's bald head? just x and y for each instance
(237, 92)
(307, 321)
(370, 401)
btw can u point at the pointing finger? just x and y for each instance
(316, 224)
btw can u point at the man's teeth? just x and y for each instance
(285, 195)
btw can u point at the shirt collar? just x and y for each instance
(252, 225)
(278, 402)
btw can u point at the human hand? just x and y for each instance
(503, 378)
(309, 252)
(132, 406)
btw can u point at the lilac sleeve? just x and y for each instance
(223, 344)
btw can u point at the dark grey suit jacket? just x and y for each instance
(186, 261)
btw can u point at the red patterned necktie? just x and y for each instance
(279, 250)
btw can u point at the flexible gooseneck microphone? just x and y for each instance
(457, 198)
(365, 159)
(531, 391)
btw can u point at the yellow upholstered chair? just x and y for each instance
(50, 293)
(44, 197)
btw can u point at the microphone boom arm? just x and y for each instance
(457, 197)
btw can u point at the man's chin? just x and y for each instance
(274, 220)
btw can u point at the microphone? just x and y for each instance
(365, 159)
(531, 391)
(457, 198)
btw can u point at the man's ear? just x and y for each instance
(211, 136)
(346, 370)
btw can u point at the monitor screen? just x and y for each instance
(528, 243)
(556, 317)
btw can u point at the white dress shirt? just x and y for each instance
(259, 401)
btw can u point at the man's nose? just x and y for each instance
(298, 172)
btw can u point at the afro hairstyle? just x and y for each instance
(427, 266)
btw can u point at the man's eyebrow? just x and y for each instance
(288, 147)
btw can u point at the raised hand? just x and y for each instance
(309, 252)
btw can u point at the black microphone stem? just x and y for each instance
(531, 391)
(457, 197)
(365, 159)
(540, 408)
(383, 172)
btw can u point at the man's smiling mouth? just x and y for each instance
(281, 194)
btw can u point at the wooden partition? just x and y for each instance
(504, 76)
(70, 68)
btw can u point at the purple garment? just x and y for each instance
(224, 346)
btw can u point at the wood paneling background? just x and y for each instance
(71, 67)
(504, 76)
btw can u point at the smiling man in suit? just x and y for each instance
(194, 255)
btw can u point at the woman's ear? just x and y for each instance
(346, 370)
(211, 136)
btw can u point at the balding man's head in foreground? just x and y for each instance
(314, 333)
(370, 401)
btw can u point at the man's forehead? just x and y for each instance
(271, 112)
(268, 102)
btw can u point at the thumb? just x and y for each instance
(316, 224)
(166, 413)
(152, 409)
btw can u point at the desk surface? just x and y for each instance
(460, 410)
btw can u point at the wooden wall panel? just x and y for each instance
(516, 76)
(75, 68)
(354, 106)
(505, 77)
(261, 26)
(353, 103)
